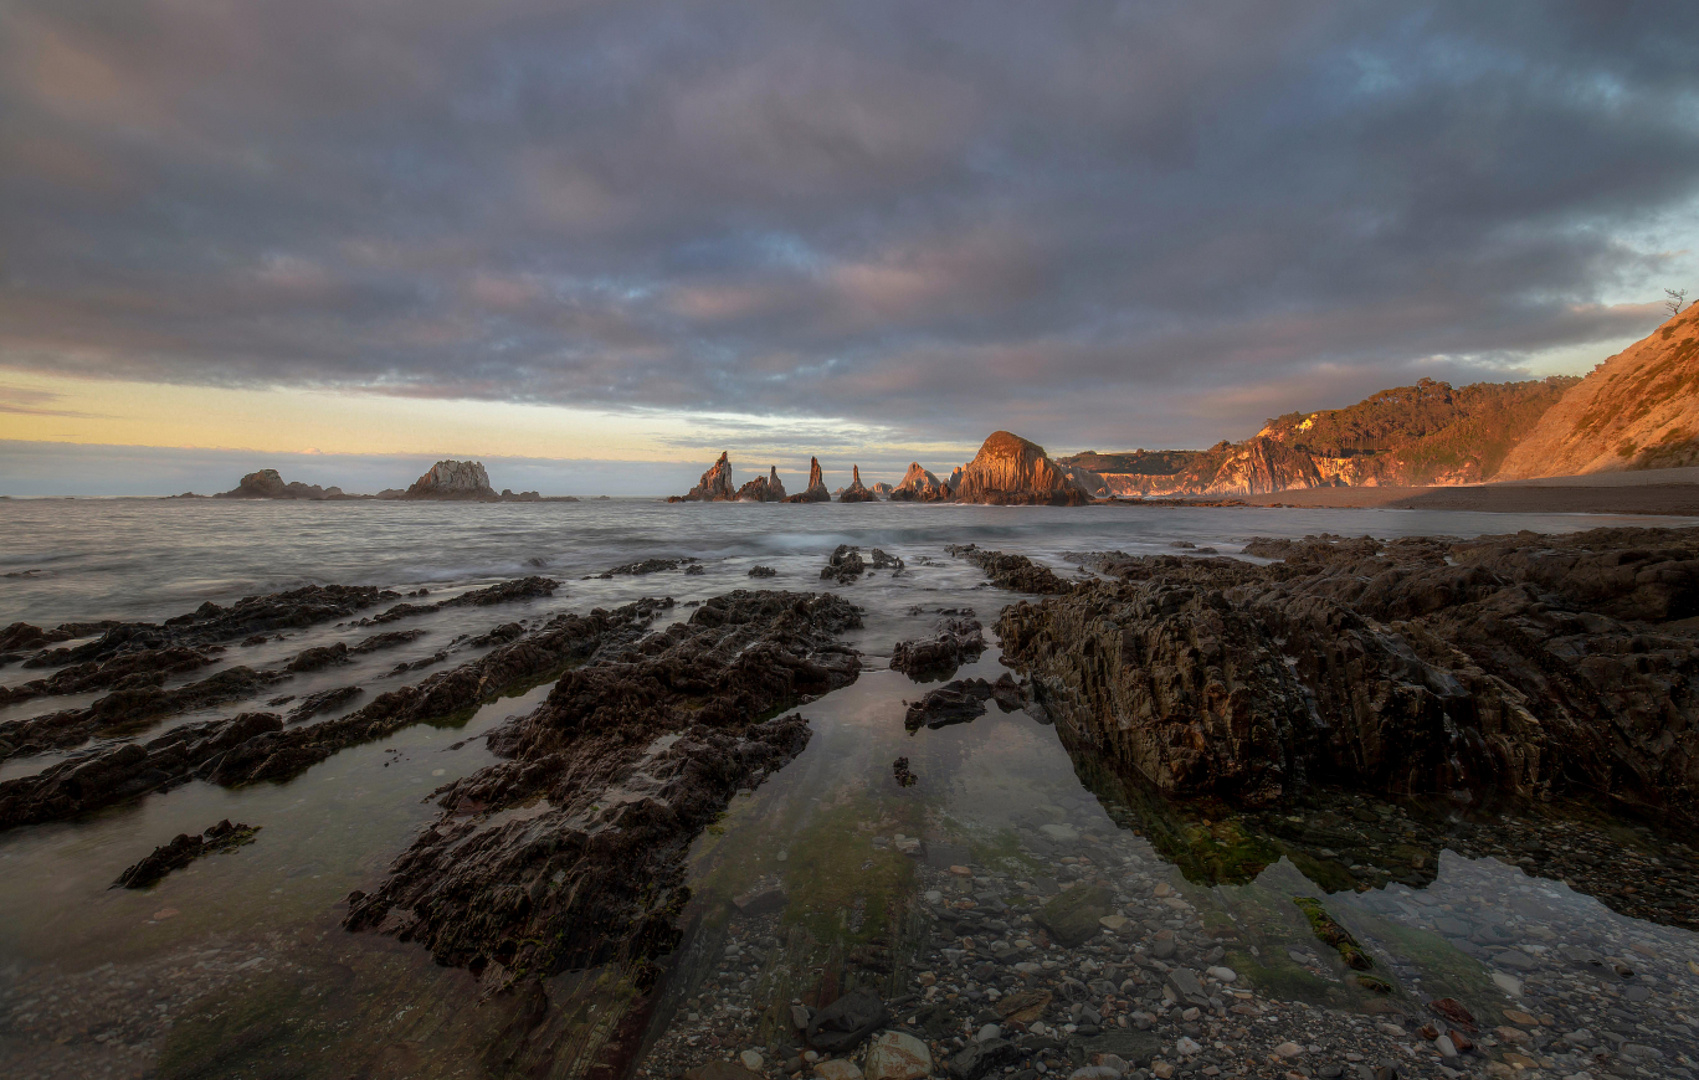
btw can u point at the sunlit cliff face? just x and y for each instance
(639, 230)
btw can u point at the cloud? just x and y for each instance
(1133, 223)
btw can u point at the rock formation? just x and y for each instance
(1637, 410)
(596, 874)
(453, 480)
(856, 492)
(1525, 666)
(1427, 434)
(767, 488)
(882, 490)
(267, 484)
(715, 485)
(955, 480)
(1010, 470)
(918, 485)
(816, 491)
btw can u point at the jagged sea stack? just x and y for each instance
(919, 485)
(767, 488)
(715, 485)
(816, 486)
(856, 492)
(1010, 470)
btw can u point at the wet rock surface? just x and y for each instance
(569, 853)
(255, 746)
(1526, 666)
(957, 641)
(1014, 572)
(964, 700)
(846, 564)
(183, 850)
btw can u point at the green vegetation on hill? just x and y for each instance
(1136, 462)
(1428, 433)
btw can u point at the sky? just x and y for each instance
(596, 243)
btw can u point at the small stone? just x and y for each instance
(1187, 1046)
(1508, 983)
(1222, 974)
(1444, 1045)
(987, 1033)
(896, 1056)
(720, 1070)
(1161, 1070)
(961, 871)
(1513, 1035)
(800, 1016)
(1163, 889)
(1288, 1050)
(837, 1069)
(1113, 922)
(751, 1060)
(1517, 1016)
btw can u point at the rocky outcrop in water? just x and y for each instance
(618, 771)
(963, 700)
(958, 641)
(465, 480)
(1009, 470)
(183, 850)
(856, 492)
(1524, 666)
(1014, 572)
(268, 484)
(256, 746)
(767, 488)
(846, 564)
(919, 485)
(715, 485)
(816, 490)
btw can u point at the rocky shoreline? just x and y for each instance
(1318, 726)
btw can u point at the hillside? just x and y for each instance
(1409, 436)
(1637, 410)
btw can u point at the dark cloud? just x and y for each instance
(1110, 223)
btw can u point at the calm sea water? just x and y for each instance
(238, 963)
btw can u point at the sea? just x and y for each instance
(238, 964)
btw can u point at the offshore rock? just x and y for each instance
(816, 491)
(453, 480)
(1524, 665)
(767, 488)
(918, 485)
(267, 484)
(856, 492)
(1011, 470)
(715, 485)
(594, 872)
(882, 490)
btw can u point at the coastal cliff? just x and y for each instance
(1637, 410)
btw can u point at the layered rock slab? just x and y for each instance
(1521, 665)
(569, 853)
